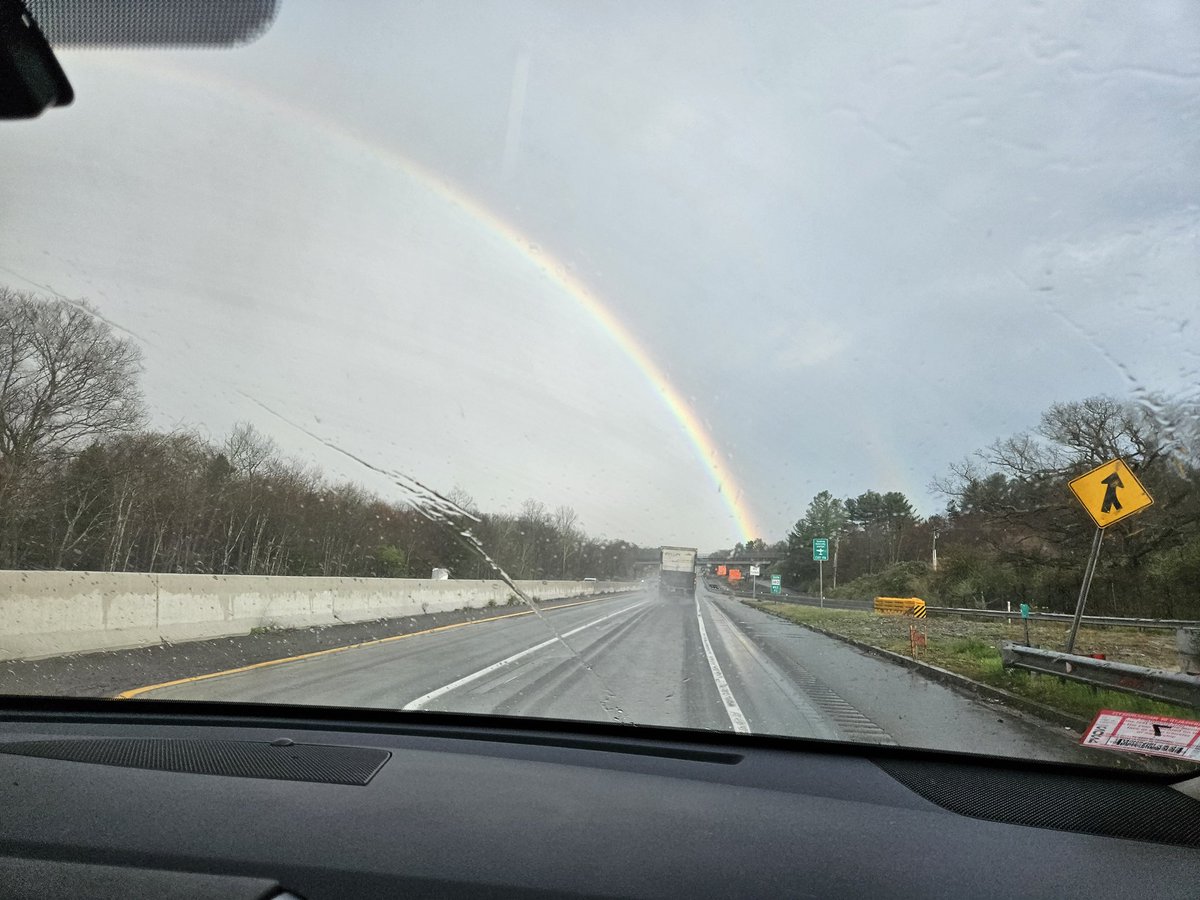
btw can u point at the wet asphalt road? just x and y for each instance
(702, 662)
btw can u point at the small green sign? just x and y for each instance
(820, 549)
(1024, 610)
(776, 584)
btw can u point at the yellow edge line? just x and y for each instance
(134, 692)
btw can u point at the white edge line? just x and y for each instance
(420, 702)
(736, 717)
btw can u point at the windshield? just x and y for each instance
(785, 368)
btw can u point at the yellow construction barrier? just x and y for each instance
(900, 606)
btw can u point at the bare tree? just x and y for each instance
(65, 378)
(534, 527)
(564, 520)
(463, 500)
(248, 449)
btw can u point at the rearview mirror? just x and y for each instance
(30, 77)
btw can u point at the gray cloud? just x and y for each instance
(863, 241)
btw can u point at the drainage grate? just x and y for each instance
(850, 723)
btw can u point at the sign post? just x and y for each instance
(1088, 571)
(754, 573)
(1109, 493)
(1025, 621)
(820, 554)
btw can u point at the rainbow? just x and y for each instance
(703, 443)
(698, 436)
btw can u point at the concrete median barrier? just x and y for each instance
(55, 613)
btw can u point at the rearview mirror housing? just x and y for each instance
(31, 79)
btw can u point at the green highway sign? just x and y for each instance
(776, 584)
(820, 549)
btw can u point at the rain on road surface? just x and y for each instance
(697, 662)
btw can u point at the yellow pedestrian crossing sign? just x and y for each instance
(1110, 493)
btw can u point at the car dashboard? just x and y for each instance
(122, 798)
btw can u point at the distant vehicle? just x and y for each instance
(589, 579)
(677, 573)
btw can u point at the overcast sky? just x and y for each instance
(861, 240)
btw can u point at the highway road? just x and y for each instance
(706, 661)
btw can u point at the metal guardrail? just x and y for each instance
(764, 594)
(1098, 621)
(1157, 684)
(1103, 621)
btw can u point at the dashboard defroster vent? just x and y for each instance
(282, 760)
(1137, 811)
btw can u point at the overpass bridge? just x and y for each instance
(647, 560)
(741, 561)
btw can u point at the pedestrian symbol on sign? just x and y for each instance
(1110, 494)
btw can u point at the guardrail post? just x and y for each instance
(1187, 645)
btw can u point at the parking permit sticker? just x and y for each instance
(1138, 733)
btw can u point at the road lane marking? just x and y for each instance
(831, 709)
(736, 717)
(509, 660)
(822, 727)
(134, 692)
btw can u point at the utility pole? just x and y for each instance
(837, 539)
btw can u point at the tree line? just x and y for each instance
(1011, 530)
(86, 485)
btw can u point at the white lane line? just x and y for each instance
(509, 660)
(820, 726)
(736, 717)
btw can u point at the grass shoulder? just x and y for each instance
(971, 648)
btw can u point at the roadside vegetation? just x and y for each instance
(85, 484)
(971, 648)
(1012, 532)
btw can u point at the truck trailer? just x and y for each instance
(677, 571)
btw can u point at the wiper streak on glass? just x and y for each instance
(443, 511)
